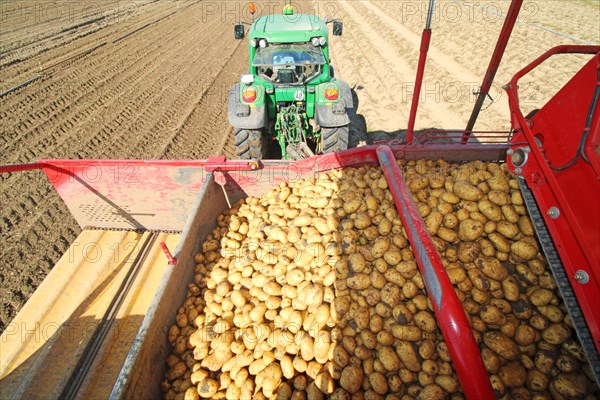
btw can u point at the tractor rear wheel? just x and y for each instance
(250, 144)
(334, 139)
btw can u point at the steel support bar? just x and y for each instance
(512, 87)
(220, 163)
(425, 40)
(172, 260)
(4, 169)
(450, 315)
(509, 23)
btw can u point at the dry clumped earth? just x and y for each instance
(105, 89)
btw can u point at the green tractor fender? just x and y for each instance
(247, 114)
(336, 112)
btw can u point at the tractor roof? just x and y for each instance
(278, 28)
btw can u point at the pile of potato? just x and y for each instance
(312, 292)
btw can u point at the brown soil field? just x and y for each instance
(149, 80)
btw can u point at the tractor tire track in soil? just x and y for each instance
(379, 51)
(121, 101)
(161, 92)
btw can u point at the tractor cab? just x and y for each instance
(289, 95)
(296, 63)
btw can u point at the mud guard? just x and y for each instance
(244, 116)
(335, 114)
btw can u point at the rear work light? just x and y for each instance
(249, 95)
(331, 94)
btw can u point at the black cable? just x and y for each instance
(575, 157)
(588, 121)
(586, 131)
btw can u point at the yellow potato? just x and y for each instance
(510, 214)
(389, 358)
(362, 220)
(378, 382)
(526, 226)
(492, 315)
(417, 182)
(468, 251)
(499, 197)
(431, 392)
(490, 210)
(447, 234)
(516, 198)
(450, 198)
(433, 221)
(507, 229)
(552, 312)
(393, 256)
(380, 246)
(425, 321)
(490, 360)
(407, 332)
(501, 345)
(479, 279)
(541, 297)
(378, 280)
(456, 275)
(513, 374)
(470, 230)
(356, 262)
(524, 250)
(556, 333)
(351, 205)
(391, 294)
(336, 305)
(359, 281)
(408, 356)
(499, 242)
(466, 191)
(207, 388)
(351, 379)
(525, 335)
(492, 268)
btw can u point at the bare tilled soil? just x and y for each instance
(149, 79)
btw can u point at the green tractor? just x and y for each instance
(289, 102)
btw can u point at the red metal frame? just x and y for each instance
(171, 260)
(505, 33)
(507, 27)
(568, 199)
(448, 310)
(158, 194)
(5, 169)
(425, 40)
(442, 136)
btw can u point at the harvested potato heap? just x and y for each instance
(312, 291)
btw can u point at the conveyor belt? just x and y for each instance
(73, 335)
(562, 281)
(93, 347)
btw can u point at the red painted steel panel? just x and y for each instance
(158, 194)
(569, 198)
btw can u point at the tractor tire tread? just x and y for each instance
(250, 144)
(334, 139)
